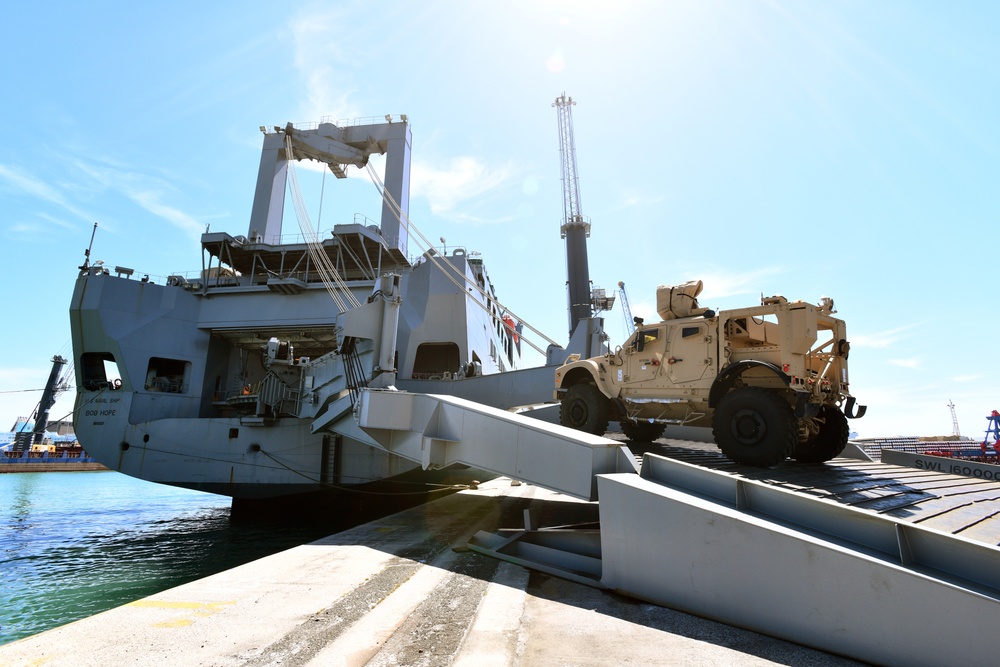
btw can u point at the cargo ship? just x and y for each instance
(240, 378)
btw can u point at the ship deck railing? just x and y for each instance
(970, 451)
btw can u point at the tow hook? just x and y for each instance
(849, 409)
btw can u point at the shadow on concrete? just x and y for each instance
(442, 544)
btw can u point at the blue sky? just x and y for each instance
(847, 149)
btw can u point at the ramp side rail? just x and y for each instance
(798, 567)
(438, 431)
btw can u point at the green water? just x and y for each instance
(77, 543)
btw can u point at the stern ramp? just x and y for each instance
(736, 550)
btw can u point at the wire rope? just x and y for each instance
(331, 278)
(448, 269)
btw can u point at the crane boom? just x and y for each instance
(626, 309)
(575, 228)
(572, 211)
(55, 384)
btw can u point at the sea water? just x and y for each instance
(73, 544)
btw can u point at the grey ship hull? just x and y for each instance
(240, 379)
(188, 409)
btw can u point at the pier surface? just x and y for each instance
(52, 466)
(404, 591)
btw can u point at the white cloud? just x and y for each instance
(463, 178)
(913, 362)
(25, 229)
(38, 189)
(29, 185)
(722, 284)
(882, 339)
(57, 221)
(325, 61)
(150, 200)
(556, 62)
(145, 190)
(444, 186)
(322, 60)
(717, 285)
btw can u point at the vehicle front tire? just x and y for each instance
(829, 442)
(641, 431)
(755, 427)
(585, 409)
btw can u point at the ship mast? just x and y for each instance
(575, 227)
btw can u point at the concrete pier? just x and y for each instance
(403, 590)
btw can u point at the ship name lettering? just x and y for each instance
(108, 413)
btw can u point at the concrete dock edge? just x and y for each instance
(403, 591)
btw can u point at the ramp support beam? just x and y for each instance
(438, 431)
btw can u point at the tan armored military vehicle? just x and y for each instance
(771, 380)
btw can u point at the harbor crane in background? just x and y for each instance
(56, 384)
(583, 300)
(954, 420)
(626, 310)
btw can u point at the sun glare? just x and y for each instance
(556, 62)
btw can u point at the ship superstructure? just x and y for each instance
(240, 379)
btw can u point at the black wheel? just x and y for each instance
(755, 427)
(829, 442)
(641, 431)
(585, 409)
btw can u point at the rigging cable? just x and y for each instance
(447, 268)
(328, 273)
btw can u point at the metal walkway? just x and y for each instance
(792, 565)
(956, 504)
(861, 559)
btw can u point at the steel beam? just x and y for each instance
(438, 431)
(798, 568)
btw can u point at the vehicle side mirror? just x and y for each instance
(640, 341)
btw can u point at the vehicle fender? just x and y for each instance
(724, 382)
(585, 370)
(727, 377)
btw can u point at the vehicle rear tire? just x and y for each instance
(829, 442)
(755, 427)
(641, 431)
(585, 409)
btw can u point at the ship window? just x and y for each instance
(100, 371)
(168, 375)
(433, 359)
